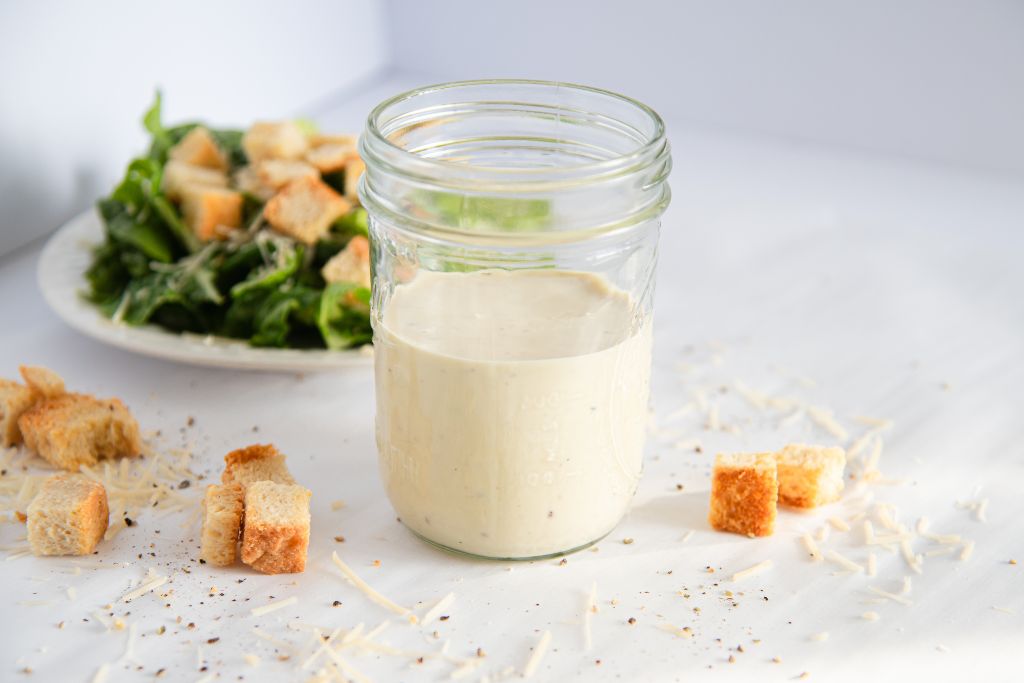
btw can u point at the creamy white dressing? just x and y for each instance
(511, 408)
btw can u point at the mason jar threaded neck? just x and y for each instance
(514, 161)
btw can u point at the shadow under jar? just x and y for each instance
(514, 229)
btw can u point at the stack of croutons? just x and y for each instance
(285, 170)
(69, 514)
(746, 487)
(259, 501)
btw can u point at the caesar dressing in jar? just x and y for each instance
(514, 227)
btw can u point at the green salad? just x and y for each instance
(253, 235)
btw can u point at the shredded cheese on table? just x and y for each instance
(838, 524)
(825, 420)
(274, 606)
(967, 551)
(589, 609)
(435, 611)
(820, 637)
(843, 561)
(101, 674)
(152, 584)
(538, 654)
(373, 595)
(870, 616)
(752, 571)
(891, 596)
(812, 547)
(872, 564)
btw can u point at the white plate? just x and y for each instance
(62, 267)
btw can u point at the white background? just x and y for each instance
(878, 254)
(941, 80)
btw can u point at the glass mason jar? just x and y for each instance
(514, 228)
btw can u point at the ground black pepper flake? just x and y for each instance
(627, 541)
(445, 617)
(631, 621)
(211, 641)
(160, 673)
(128, 521)
(336, 603)
(184, 484)
(339, 539)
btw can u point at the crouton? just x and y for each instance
(810, 476)
(212, 212)
(305, 209)
(222, 524)
(68, 516)
(179, 177)
(274, 140)
(744, 489)
(199, 149)
(331, 157)
(260, 462)
(351, 264)
(248, 181)
(353, 171)
(43, 382)
(276, 173)
(275, 536)
(15, 399)
(72, 430)
(321, 140)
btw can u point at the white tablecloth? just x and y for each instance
(869, 286)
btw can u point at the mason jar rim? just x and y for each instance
(592, 169)
(649, 160)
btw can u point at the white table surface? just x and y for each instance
(896, 287)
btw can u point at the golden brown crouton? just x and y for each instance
(274, 140)
(43, 382)
(68, 516)
(199, 149)
(248, 181)
(15, 399)
(331, 157)
(260, 462)
(212, 212)
(222, 524)
(351, 264)
(353, 171)
(276, 173)
(810, 476)
(275, 537)
(744, 489)
(320, 140)
(72, 430)
(305, 209)
(179, 177)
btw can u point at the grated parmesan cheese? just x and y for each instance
(752, 571)
(373, 595)
(251, 659)
(101, 674)
(273, 606)
(870, 616)
(435, 611)
(967, 551)
(838, 524)
(337, 505)
(909, 557)
(872, 564)
(144, 588)
(843, 561)
(713, 424)
(891, 596)
(754, 398)
(538, 654)
(826, 420)
(820, 637)
(589, 610)
(687, 536)
(822, 533)
(812, 547)
(684, 632)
